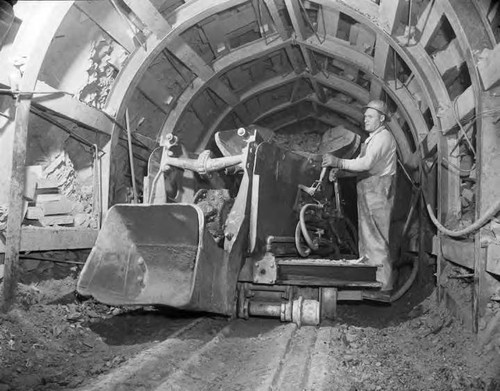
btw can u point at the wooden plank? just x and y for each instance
(57, 220)
(107, 18)
(331, 22)
(458, 251)
(37, 33)
(62, 206)
(487, 67)
(449, 58)
(60, 238)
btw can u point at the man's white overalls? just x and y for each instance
(376, 165)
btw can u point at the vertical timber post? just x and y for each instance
(15, 217)
(32, 41)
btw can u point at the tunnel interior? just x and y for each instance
(301, 69)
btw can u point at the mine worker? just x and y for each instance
(375, 169)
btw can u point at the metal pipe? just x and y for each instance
(131, 155)
(96, 206)
(203, 164)
(262, 308)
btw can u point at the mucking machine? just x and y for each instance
(250, 233)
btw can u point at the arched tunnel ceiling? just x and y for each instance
(249, 57)
(196, 67)
(340, 82)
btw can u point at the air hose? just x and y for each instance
(303, 252)
(489, 215)
(409, 282)
(303, 226)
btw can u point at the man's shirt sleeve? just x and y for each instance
(374, 151)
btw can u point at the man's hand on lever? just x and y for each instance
(330, 161)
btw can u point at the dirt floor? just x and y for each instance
(54, 340)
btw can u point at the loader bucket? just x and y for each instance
(151, 254)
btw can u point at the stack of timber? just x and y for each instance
(46, 205)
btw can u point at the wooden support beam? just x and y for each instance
(429, 21)
(337, 49)
(35, 35)
(301, 32)
(181, 105)
(389, 14)
(410, 111)
(150, 16)
(109, 20)
(299, 26)
(380, 63)
(296, 18)
(73, 110)
(65, 106)
(433, 82)
(428, 145)
(277, 20)
(488, 150)
(283, 33)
